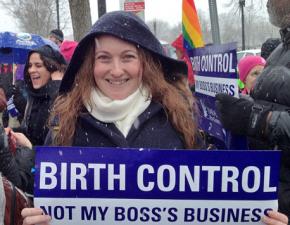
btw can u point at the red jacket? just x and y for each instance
(178, 44)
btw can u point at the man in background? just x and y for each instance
(56, 36)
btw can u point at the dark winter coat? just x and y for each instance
(273, 86)
(20, 98)
(152, 129)
(6, 80)
(17, 168)
(39, 103)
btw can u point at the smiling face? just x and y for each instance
(117, 69)
(38, 73)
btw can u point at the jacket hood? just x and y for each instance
(126, 26)
(285, 36)
(273, 85)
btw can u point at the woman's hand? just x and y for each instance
(18, 138)
(275, 218)
(21, 139)
(57, 75)
(33, 216)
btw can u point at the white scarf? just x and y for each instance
(122, 113)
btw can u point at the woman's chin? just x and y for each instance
(37, 86)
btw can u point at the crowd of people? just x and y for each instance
(116, 76)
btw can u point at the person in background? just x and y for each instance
(42, 90)
(67, 49)
(250, 68)
(121, 90)
(20, 92)
(269, 46)
(6, 84)
(16, 177)
(16, 159)
(56, 36)
(267, 117)
(182, 55)
(3, 104)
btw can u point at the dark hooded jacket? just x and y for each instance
(17, 167)
(152, 129)
(129, 27)
(39, 103)
(273, 86)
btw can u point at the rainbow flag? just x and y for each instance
(191, 30)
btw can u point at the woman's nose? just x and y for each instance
(31, 69)
(117, 68)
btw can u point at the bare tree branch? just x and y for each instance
(33, 16)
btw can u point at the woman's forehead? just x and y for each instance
(107, 40)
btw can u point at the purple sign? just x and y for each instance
(215, 69)
(142, 186)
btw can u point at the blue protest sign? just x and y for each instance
(215, 69)
(122, 186)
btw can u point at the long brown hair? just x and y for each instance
(175, 97)
(68, 107)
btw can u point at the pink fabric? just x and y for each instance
(247, 63)
(67, 49)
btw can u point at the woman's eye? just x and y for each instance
(35, 65)
(129, 57)
(255, 74)
(102, 57)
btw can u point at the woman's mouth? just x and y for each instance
(117, 82)
(35, 78)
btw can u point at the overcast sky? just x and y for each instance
(167, 10)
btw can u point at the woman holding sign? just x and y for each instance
(121, 90)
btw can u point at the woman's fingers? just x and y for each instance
(7, 130)
(21, 139)
(31, 212)
(41, 219)
(275, 218)
(34, 216)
